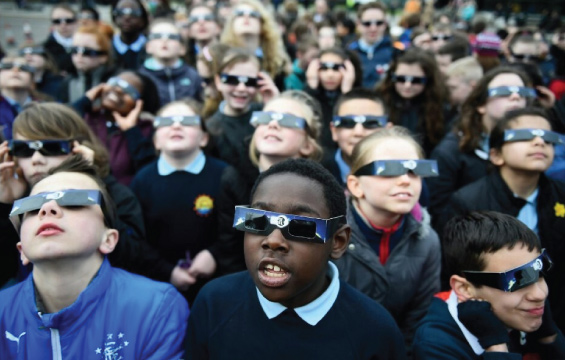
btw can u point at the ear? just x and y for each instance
(495, 157)
(354, 186)
(333, 129)
(25, 260)
(217, 81)
(307, 147)
(204, 139)
(109, 241)
(482, 109)
(340, 241)
(462, 288)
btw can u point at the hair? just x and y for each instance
(211, 56)
(433, 96)
(53, 121)
(160, 21)
(496, 138)
(144, 14)
(471, 124)
(101, 38)
(234, 56)
(65, 7)
(91, 10)
(77, 164)
(467, 238)
(525, 39)
(468, 69)
(193, 104)
(458, 49)
(149, 93)
(410, 20)
(314, 120)
(441, 27)
(364, 148)
(306, 44)
(275, 58)
(488, 62)
(358, 94)
(334, 197)
(371, 5)
(346, 55)
(50, 63)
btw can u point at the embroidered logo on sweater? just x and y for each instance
(203, 205)
(11, 337)
(112, 347)
(559, 210)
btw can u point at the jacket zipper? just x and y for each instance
(170, 85)
(55, 342)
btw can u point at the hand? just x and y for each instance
(181, 279)
(546, 97)
(547, 332)
(312, 78)
(130, 120)
(86, 152)
(203, 265)
(267, 87)
(348, 76)
(95, 92)
(11, 188)
(478, 318)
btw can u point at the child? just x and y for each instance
(413, 91)
(132, 19)
(450, 52)
(291, 292)
(306, 51)
(203, 30)
(327, 77)
(288, 127)
(64, 22)
(75, 304)
(238, 80)
(174, 79)
(374, 48)
(385, 185)
(462, 76)
(521, 148)
(46, 77)
(462, 155)
(357, 114)
(178, 193)
(497, 306)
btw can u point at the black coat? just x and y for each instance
(60, 55)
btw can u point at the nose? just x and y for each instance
(37, 158)
(241, 86)
(406, 178)
(515, 96)
(51, 209)
(275, 241)
(176, 124)
(274, 124)
(358, 129)
(538, 291)
(538, 140)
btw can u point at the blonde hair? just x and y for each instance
(362, 151)
(468, 69)
(275, 58)
(101, 37)
(313, 118)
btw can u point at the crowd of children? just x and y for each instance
(250, 179)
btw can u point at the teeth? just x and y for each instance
(276, 268)
(273, 274)
(273, 268)
(269, 266)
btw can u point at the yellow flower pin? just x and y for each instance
(559, 210)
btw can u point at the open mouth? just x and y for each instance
(272, 275)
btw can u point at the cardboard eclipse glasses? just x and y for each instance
(422, 168)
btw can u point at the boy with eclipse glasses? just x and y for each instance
(291, 291)
(497, 306)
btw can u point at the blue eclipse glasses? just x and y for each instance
(548, 136)
(293, 227)
(284, 120)
(422, 168)
(125, 86)
(368, 121)
(169, 36)
(163, 121)
(503, 91)
(514, 279)
(65, 198)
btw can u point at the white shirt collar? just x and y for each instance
(313, 312)
(471, 339)
(136, 46)
(195, 167)
(63, 41)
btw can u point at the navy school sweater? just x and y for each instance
(179, 211)
(228, 322)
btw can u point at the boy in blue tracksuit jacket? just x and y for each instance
(75, 305)
(174, 79)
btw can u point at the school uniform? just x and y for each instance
(231, 319)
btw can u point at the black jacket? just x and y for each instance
(492, 193)
(60, 55)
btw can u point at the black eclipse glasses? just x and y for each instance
(63, 21)
(373, 22)
(293, 227)
(331, 66)
(284, 120)
(127, 11)
(36, 50)
(514, 279)
(25, 148)
(20, 66)
(65, 198)
(416, 80)
(548, 136)
(245, 12)
(204, 17)
(163, 121)
(169, 36)
(504, 91)
(422, 168)
(236, 80)
(86, 51)
(368, 121)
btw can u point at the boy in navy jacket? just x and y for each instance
(497, 306)
(75, 305)
(290, 304)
